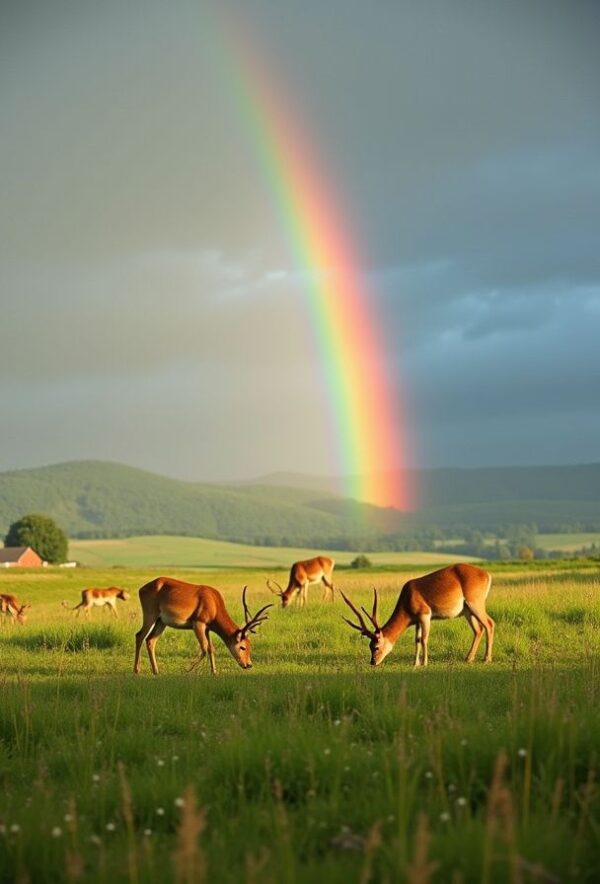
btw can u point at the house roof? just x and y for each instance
(13, 553)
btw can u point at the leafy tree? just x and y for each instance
(360, 562)
(526, 553)
(42, 534)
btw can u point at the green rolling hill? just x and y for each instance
(98, 499)
(95, 499)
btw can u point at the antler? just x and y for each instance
(278, 591)
(253, 622)
(363, 629)
(247, 614)
(373, 617)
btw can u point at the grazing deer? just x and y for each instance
(443, 595)
(97, 598)
(9, 604)
(168, 602)
(301, 574)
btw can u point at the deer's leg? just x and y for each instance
(201, 633)
(157, 630)
(477, 634)
(211, 657)
(328, 588)
(488, 625)
(143, 632)
(113, 608)
(417, 644)
(302, 593)
(425, 621)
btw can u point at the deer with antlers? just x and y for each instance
(9, 604)
(97, 598)
(169, 602)
(317, 570)
(460, 590)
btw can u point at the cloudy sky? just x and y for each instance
(151, 308)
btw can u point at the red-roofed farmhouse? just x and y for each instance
(20, 556)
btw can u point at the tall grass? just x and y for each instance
(312, 767)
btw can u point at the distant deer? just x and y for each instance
(460, 590)
(168, 602)
(319, 569)
(9, 604)
(97, 598)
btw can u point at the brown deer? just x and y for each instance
(9, 604)
(319, 569)
(169, 602)
(97, 598)
(459, 590)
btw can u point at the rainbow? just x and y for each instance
(366, 412)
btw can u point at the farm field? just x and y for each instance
(196, 552)
(567, 542)
(313, 766)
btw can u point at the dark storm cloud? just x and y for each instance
(147, 274)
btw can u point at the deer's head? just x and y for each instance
(239, 646)
(21, 616)
(379, 645)
(285, 595)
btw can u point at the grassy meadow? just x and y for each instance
(312, 766)
(567, 543)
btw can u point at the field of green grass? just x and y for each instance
(197, 552)
(312, 767)
(567, 543)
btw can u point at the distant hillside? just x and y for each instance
(98, 499)
(451, 486)
(509, 484)
(556, 498)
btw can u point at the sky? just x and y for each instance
(152, 311)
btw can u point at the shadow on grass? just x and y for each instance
(575, 616)
(72, 639)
